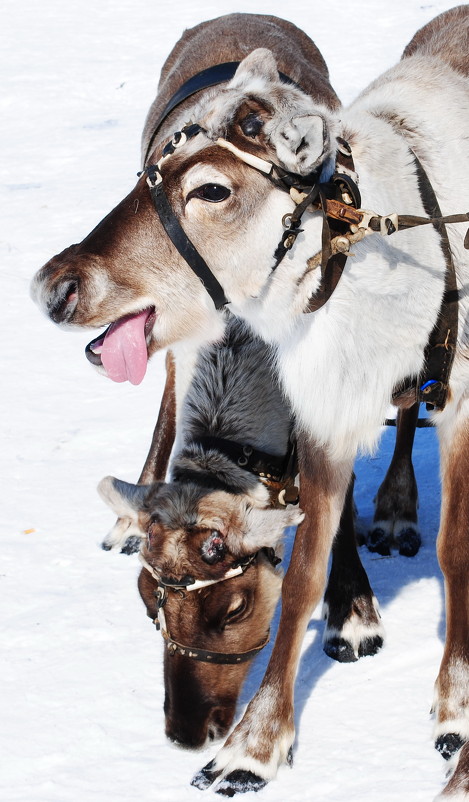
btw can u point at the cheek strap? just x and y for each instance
(180, 240)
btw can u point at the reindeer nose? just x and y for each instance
(63, 300)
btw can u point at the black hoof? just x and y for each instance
(290, 757)
(205, 777)
(379, 542)
(448, 744)
(370, 646)
(240, 781)
(409, 542)
(340, 649)
(132, 545)
(106, 546)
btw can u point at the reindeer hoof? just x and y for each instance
(132, 545)
(409, 542)
(379, 542)
(205, 777)
(448, 744)
(240, 782)
(370, 646)
(340, 649)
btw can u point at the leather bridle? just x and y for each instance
(281, 178)
(188, 584)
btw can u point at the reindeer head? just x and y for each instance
(127, 273)
(195, 535)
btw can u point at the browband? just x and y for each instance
(218, 74)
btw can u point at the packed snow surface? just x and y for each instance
(81, 714)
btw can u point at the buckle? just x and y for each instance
(154, 176)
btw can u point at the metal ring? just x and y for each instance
(157, 180)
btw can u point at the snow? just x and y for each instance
(81, 691)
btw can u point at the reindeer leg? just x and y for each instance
(351, 610)
(395, 518)
(124, 535)
(263, 739)
(451, 703)
(458, 784)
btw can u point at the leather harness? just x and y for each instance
(343, 223)
(212, 76)
(189, 584)
(278, 474)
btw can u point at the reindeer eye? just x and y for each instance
(251, 125)
(232, 615)
(214, 193)
(152, 532)
(213, 549)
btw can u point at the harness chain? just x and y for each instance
(277, 473)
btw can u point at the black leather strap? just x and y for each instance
(433, 383)
(218, 74)
(220, 658)
(249, 458)
(332, 265)
(185, 247)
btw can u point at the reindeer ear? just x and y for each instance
(302, 142)
(251, 116)
(255, 72)
(301, 130)
(213, 549)
(125, 499)
(262, 528)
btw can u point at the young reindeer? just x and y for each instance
(210, 577)
(239, 198)
(236, 459)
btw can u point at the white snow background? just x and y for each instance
(81, 678)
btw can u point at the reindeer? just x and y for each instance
(211, 534)
(237, 209)
(212, 522)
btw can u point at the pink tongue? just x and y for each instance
(124, 350)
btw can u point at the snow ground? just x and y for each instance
(81, 707)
